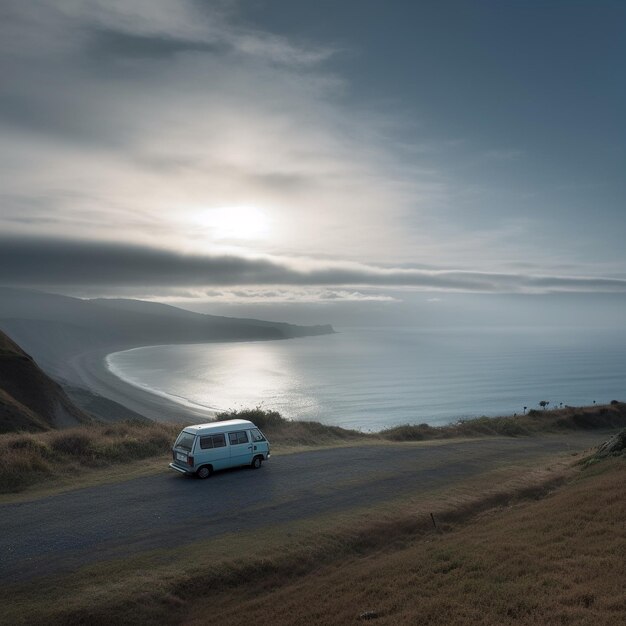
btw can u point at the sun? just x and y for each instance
(236, 222)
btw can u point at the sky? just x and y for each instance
(318, 160)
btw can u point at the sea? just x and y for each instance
(375, 378)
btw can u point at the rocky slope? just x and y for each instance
(30, 400)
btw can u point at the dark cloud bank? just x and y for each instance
(70, 263)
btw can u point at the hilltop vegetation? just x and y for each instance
(570, 418)
(612, 415)
(293, 432)
(31, 458)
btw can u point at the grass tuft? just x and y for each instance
(73, 443)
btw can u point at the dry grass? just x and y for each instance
(560, 560)
(283, 431)
(558, 420)
(27, 459)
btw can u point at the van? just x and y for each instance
(204, 448)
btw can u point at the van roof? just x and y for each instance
(200, 429)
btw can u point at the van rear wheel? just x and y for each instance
(257, 461)
(204, 472)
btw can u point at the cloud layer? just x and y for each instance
(67, 263)
(132, 119)
(131, 124)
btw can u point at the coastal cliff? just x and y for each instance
(30, 400)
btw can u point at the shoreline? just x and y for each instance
(89, 370)
(178, 401)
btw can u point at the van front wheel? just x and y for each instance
(257, 461)
(204, 472)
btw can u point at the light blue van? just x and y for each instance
(204, 448)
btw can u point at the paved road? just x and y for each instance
(60, 533)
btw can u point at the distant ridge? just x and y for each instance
(55, 328)
(175, 313)
(30, 400)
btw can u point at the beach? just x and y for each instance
(89, 370)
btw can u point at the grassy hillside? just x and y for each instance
(30, 400)
(558, 560)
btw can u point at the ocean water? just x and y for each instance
(373, 378)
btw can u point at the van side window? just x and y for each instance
(212, 441)
(238, 437)
(219, 441)
(257, 435)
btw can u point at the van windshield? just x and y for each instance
(185, 441)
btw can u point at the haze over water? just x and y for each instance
(373, 378)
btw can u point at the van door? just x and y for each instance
(260, 445)
(214, 451)
(183, 449)
(240, 448)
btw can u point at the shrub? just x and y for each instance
(26, 459)
(407, 432)
(262, 418)
(20, 468)
(73, 443)
(511, 428)
(30, 444)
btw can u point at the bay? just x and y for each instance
(374, 378)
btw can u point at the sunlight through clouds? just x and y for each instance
(195, 129)
(235, 223)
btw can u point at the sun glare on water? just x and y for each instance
(236, 222)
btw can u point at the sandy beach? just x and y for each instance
(89, 370)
